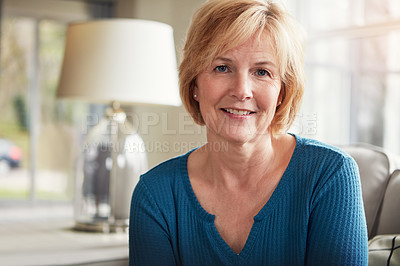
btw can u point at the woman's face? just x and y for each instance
(239, 92)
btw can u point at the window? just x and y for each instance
(353, 70)
(39, 134)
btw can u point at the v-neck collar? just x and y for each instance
(277, 196)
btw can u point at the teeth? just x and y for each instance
(237, 112)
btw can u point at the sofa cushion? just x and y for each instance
(389, 219)
(375, 169)
(384, 250)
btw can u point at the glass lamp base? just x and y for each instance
(112, 161)
(101, 227)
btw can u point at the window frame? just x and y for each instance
(38, 10)
(353, 34)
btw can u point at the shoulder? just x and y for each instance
(158, 188)
(165, 178)
(320, 162)
(327, 172)
(319, 152)
(166, 171)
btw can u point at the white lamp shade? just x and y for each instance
(125, 60)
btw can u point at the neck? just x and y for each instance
(240, 165)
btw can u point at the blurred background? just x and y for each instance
(352, 91)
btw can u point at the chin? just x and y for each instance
(242, 135)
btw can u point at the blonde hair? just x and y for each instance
(220, 25)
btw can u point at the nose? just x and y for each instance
(241, 87)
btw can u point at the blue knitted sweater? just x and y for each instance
(314, 217)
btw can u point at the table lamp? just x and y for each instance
(115, 61)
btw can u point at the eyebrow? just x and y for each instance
(270, 63)
(266, 63)
(223, 59)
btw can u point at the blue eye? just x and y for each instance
(221, 68)
(262, 72)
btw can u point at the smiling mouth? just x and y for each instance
(237, 112)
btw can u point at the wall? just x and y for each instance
(59, 10)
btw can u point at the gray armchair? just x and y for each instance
(380, 181)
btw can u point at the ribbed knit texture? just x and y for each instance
(314, 217)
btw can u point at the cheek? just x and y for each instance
(210, 92)
(268, 96)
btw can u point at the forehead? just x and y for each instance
(257, 45)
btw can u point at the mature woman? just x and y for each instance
(254, 194)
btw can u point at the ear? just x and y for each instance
(280, 98)
(196, 93)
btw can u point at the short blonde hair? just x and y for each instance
(220, 25)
